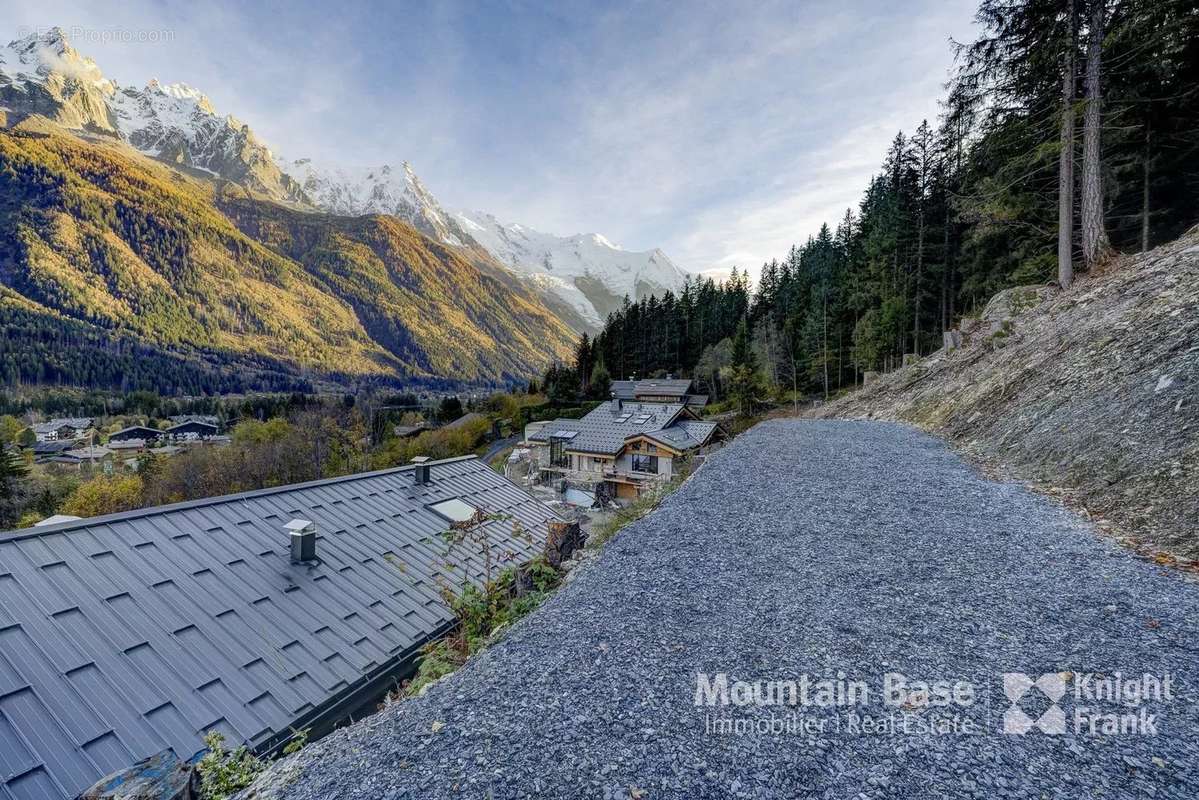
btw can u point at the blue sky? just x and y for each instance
(720, 132)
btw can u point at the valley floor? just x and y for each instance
(840, 551)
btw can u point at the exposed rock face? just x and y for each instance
(42, 75)
(177, 123)
(586, 270)
(1089, 392)
(376, 190)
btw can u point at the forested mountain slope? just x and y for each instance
(1092, 391)
(105, 249)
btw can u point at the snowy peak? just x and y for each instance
(39, 55)
(178, 123)
(43, 75)
(181, 94)
(588, 271)
(356, 191)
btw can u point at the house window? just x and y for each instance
(558, 456)
(645, 464)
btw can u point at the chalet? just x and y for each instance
(192, 429)
(78, 456)
(43, 451)
(254, 615)
(209, 419)
(91, 453)
(127, 445)
(61, 429)
(655, 390)
(142, 432)
(620, 448)
(408, 431)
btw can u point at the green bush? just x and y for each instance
(224, 773)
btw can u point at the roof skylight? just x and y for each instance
(455, 510)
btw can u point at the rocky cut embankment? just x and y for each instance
(1091, 393)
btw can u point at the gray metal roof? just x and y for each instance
(139, 430)
(662, 387)
(124, 635)
(674, 387)
(604, 430)
(208, 419)
(190, 423)
(78, 423)
(623, 389)
(685, 434)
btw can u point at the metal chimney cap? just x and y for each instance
(299, 526)
(420, 459)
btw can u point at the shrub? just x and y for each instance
(104, 494)
(224, 773)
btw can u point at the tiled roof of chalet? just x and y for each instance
(604, 431)
(58, 446)
(136, 429)
(686, 434)
(623, 389)
(191, 422)
(675, 387)
(79, 423)
(96, 451)
(124, 635)
(207, 419)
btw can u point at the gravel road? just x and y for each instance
(839, 551)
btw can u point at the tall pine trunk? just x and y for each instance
(1094, 238)
(1065, 172)
(1146, 159)
(919, 277)
(826, 343)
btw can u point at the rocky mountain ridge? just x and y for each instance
(583, 276)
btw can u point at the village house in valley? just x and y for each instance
(63, 429)
(191, 428)
(255, 615)
(620, 448)
(142, 433)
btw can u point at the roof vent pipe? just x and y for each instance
(420, 475)
(303, 540)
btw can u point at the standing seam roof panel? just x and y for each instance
(126, 634)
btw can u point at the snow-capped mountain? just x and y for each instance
(41, 74)
(587, 271)
(177, 123)
(354, 192)
(583, 277)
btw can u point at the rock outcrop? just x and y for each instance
(1090, 393)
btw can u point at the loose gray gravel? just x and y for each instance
(802, 548)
